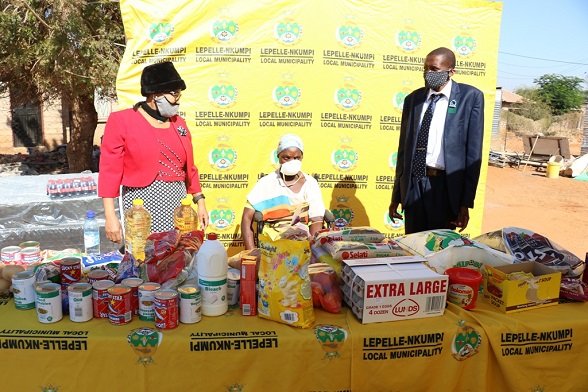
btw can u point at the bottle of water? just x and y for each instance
(185, 218)
(91, 234)
(137, 229)
(212, 265)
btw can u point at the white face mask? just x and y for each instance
(291, 168)
(166, 109)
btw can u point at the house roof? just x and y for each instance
(510, 97)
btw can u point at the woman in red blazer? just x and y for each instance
(148, 151)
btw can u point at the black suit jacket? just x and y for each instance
(463, 136)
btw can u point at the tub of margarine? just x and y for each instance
(463, 286)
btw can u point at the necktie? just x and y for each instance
(419, 161)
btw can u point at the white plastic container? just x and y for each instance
(212, 265)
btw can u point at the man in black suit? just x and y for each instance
(437, 176)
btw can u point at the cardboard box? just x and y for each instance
(396, 292)
(522, 294)
(248, 295)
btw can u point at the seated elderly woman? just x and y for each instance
(287, 195)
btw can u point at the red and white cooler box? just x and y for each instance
(393, 288)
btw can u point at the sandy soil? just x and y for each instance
(557, 208)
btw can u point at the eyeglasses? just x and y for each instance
(175, 94)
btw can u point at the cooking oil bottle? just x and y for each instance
(185, 218)
(137, 229)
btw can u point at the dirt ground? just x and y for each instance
(557, 208)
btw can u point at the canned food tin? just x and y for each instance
(23, 288)
(100, 298)
(30, 255)
(166, 309)
(190, 304)
(80, 302)
(48, 302)
(134, 284)
(30, 244)
(233, 286)
(96, 275)
(40, 282)
(70, 269)
(147, 300)
(119, 304)
(10, 255)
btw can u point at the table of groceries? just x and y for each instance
(477, 350)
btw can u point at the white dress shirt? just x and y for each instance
(435, 146)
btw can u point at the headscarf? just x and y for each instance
(288, 141)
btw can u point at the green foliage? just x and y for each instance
(562, 93)
(59, 49)
(534, 110)
(521, 125)
(62, 49)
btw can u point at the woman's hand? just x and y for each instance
(112, 226)
(202, 215)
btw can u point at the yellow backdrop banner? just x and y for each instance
(335, 72)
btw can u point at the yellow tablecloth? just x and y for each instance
(478, 350)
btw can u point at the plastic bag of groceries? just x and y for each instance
(285, 293)
(446, 248)
(326, 292)
(527, 245)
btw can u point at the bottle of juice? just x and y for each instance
(185, 218)
(137, 229)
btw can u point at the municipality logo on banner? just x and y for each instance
(408, 39)
(224, 29)
(342, 212)
(160, 32)
(349, 35)
(223, 94)
(288, 31)
(345, 157)
(286, 95)
(222, 217)
(223, 157)
(399, 96)
(464, 44)
(348, 96)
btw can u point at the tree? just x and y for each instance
(62, 49)
(562, 93)
(532, 105)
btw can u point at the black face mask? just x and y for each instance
(436, 80)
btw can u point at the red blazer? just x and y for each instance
(129, 154)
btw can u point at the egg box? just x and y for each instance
(396, 292)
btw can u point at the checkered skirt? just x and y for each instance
(160, 198)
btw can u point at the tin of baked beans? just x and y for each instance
(70, 269)
(48, 302)
(147, 300)
(166, 309)
(30, 255)
(134, 284)
(10, 255)
(80, 302)
(119, 304)
(233, 286)
(23, 288)
(96, 275)
(100, 298)
(190, 304)
(30, 244)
